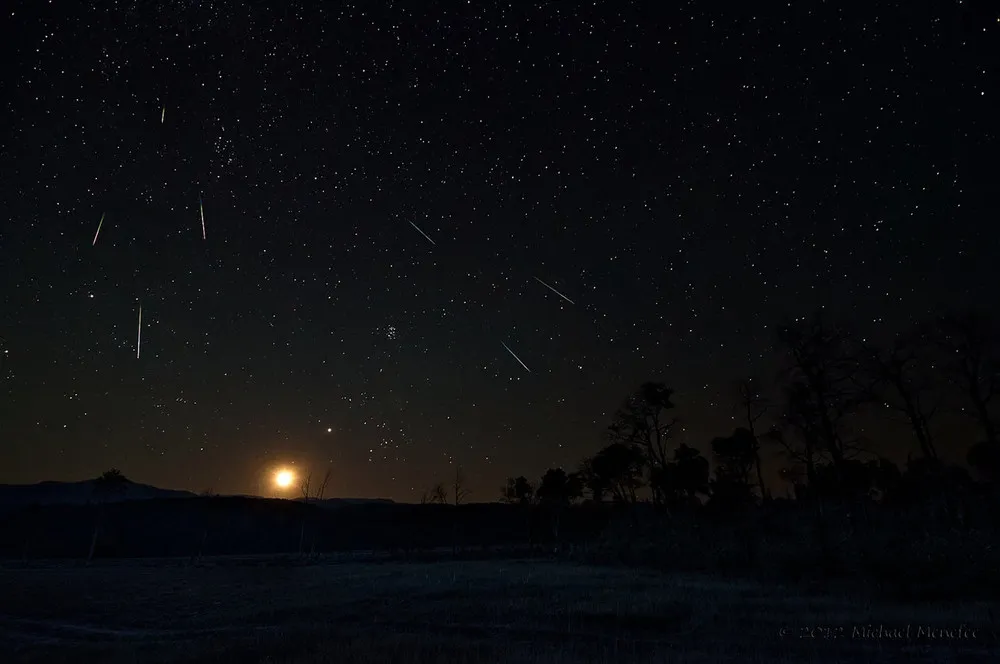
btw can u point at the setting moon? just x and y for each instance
(284, 478)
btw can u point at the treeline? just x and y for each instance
(832, 381)
(833, 384)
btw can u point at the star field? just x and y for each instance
(399, 197)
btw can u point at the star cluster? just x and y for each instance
(458, 233)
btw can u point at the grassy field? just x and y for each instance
(270, 610)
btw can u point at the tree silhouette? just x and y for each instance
(971, 342)
(688, 474)
(592, 481)
(796, 432)
(327, 476)
(438, 494)
(518, 491)
(754, 406)
(309, 495)
(558, 488)
(823, 390)
(459, 486)
(905, 383)
(111, 483)
(619, 467)
(735, 456)
(681, 480)
(642, 421)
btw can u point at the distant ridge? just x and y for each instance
(79, 493)
(15, 496)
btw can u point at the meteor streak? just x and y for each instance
(516, 357)
(423, 233)
(201, 209)
(554, 291)
(138, 341)
(99, 224)
(163, 114)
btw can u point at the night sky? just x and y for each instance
(616, 191)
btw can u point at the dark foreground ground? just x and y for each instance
(273, 610)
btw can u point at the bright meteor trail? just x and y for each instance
(554, 291)
(423, 233)
(201, 209)
(516, 357)
(138, 341)
(99, 224)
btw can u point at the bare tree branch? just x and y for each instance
(459, 486)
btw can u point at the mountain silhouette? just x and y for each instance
(15, 496)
